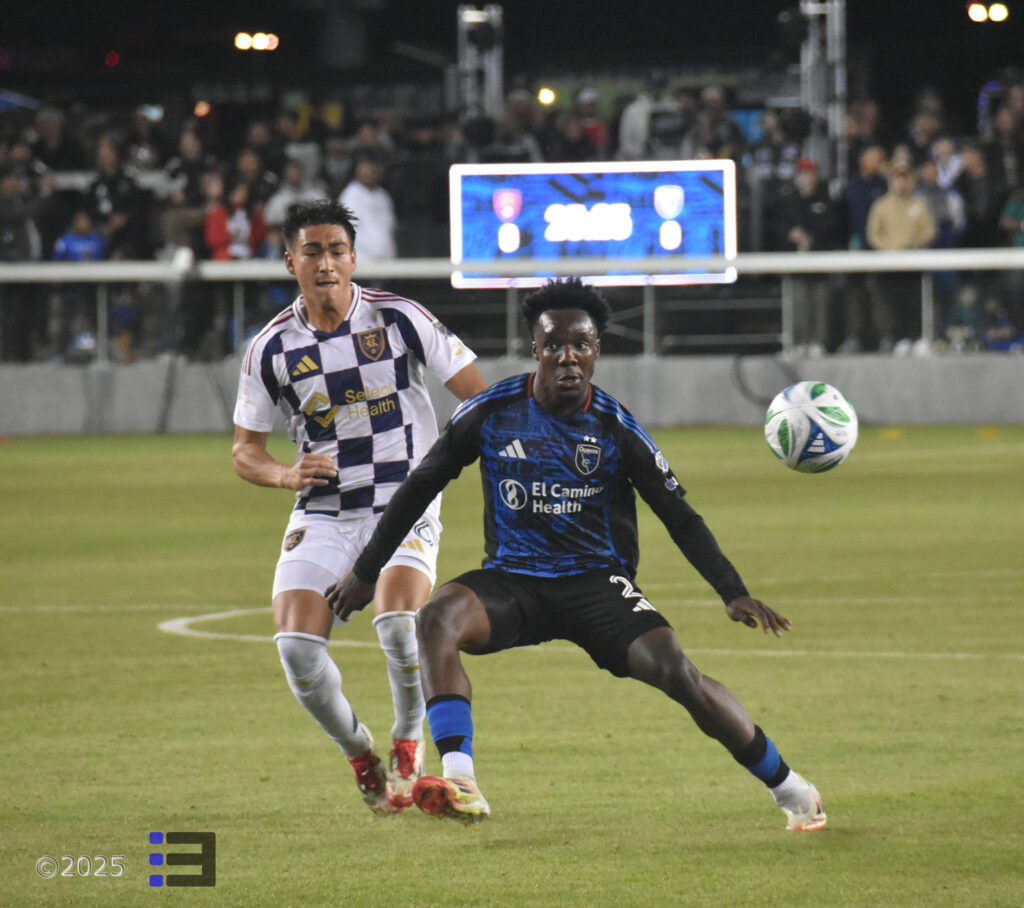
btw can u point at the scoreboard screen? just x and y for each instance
(595, 210)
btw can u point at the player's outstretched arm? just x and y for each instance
(753, 612)
(253, 463)
(348, 595)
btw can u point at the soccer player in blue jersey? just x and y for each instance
(561, 461)
(344, 365)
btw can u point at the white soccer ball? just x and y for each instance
(811, 427)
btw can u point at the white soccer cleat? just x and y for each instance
(406, 768)
(371, 777)
(801, 804)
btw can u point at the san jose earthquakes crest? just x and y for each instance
(588, 455)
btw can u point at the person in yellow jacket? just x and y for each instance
(896, 221)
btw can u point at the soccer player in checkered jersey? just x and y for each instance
(561, 462)
(345, 365)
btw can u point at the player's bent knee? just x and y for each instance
(303, 656)
(656, 659)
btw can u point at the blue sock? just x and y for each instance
(762, 759)
(451, 724)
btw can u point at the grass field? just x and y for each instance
(899, 692)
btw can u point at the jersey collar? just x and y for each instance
(302, 315)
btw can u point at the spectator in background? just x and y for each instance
(337, 165)
(714, 130)
(653, 124)
(981, 204)
(772, 168)
(948, 162)
(291, 137)
(865, 187)
(1004, 154)
(947, 210)
(73, 330)
(146, 146)
(295, 187)
(22, 323)
(1011, 223)
(371, 136)
(924, 130)
(568, 140)
(807, 220)
(509, 142)
(371, 203)
(82, 242)
(55, 146)
(182, 219)
(862, 294)
(594, 124)
(117, 206)
(36, 186)
(249, 169)
(899, 220)
(864, 129)
(522, 114)
(267, 145)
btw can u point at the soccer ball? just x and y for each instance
(811, 427)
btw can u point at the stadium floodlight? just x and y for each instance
(257, 41)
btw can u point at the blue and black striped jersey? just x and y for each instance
(559, 492)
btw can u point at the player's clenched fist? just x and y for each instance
(309, 470)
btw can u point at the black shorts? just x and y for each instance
(600, 611)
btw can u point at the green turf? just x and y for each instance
(899, 691)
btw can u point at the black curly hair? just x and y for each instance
(569, 293)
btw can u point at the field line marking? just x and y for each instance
(183, 627)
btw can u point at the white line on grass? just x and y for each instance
(183, 626)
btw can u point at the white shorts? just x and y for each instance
(316, 550)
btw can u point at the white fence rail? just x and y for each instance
(182, 268)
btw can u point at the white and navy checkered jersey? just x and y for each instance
(356, 394)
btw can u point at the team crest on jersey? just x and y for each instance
(293, 539)
(371, 343)
(588, 455)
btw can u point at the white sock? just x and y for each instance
(794, 790)
(397, 633)
(316, 683)
(457, 765)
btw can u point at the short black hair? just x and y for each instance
(570, 293)
(309, 214)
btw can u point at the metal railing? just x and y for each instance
(182, 268)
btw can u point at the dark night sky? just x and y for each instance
(895, 46)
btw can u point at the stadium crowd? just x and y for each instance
(88, 185)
